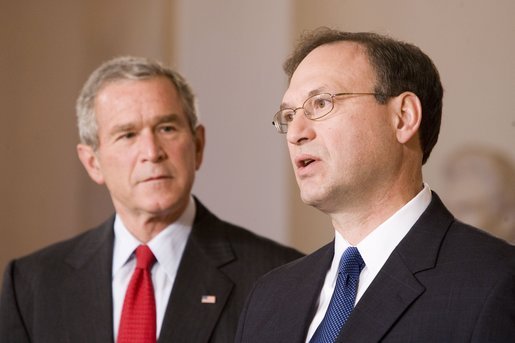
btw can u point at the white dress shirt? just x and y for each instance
(167, 247)
(374, 249)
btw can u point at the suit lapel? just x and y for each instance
(88, 309)
(282, 310)
(391, 292)
(198, 275)
(303, 291)
(396, 286)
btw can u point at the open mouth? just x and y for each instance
(304, 162)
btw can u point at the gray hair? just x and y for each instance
(127, 68)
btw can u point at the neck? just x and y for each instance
(145, 230)
(357, 219)
(145, 226)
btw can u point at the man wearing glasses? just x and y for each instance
(360, 116)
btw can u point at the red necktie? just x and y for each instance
(138, 320)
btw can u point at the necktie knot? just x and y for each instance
(351, 263)
(145, 259)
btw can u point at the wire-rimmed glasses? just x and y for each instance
(315, 107)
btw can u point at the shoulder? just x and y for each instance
(245, 244)
(439, 233)
(311, 267)
(52, 257)
(253, 246)
(467, 244)
(449, 253)
(283, 297)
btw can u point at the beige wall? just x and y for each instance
(232, 52)
(48, 49)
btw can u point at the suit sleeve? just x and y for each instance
(241, 331)
(12, 327)
(496, 322)
(241, 324)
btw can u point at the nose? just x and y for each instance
(151, 149)
(300, 129)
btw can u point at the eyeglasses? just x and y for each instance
(315, 107)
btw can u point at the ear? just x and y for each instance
(89, 160)
(408, 115)
(200, 142)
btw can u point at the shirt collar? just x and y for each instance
(379, 244)
(167, 246)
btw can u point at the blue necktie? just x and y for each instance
(344, 296)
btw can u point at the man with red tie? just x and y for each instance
(163, 267)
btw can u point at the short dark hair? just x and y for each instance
(399, 67)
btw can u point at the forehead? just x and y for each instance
(125, 102)
(154, 87)
(153, 94)
(334, 67)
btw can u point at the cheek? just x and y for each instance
(357, 145)
(291, 152)
(377, 131)
(344, 141)
(185, 156)
(118, 172)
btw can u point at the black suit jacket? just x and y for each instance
(444, 282)
(63, 293)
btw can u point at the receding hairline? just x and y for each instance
(358, 50)
(349, 57)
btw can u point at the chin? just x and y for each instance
(311, 199)
(168, 205)
(159, 206)
(320, 198)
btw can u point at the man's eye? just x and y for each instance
(288, 116)
(127, 135)
(168, 128)
(321, 103)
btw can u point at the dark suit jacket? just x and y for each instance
(63, 293)
(444, 282)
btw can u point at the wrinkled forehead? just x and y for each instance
(334, 67)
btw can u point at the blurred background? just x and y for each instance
(231, 52)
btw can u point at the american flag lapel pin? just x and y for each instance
(208, 299)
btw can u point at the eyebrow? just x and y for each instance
(166, 118)
(315, 91)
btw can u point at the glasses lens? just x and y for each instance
(318, 105)
(282, 119)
